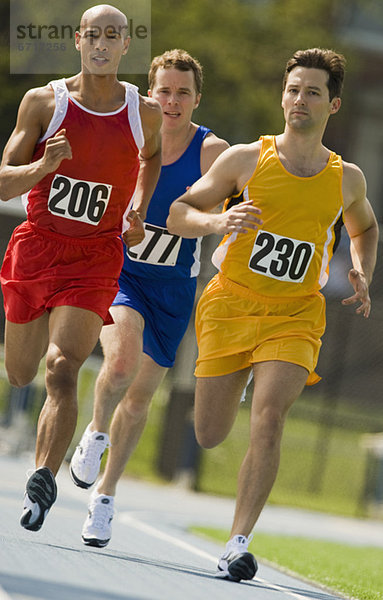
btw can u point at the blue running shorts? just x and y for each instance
(166, 306)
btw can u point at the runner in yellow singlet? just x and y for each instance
(287, 196)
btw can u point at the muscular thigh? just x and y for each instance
(277, 384)
(122, 341)
(216, 403)
(24, 346)
(73, 332)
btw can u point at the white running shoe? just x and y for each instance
(86, 460)
(97, 529)
(237, 563)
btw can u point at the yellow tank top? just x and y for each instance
(302, 216)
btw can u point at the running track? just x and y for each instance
(150, 556)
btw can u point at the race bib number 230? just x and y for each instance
(78, 200)
(280, 257)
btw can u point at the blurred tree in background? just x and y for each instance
(242, 45)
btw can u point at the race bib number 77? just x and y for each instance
(280, 257)
(159, 247)
(78, 200)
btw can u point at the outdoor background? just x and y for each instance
(332, 455)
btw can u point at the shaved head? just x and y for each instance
(105, 11)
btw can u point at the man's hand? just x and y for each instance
(359, 283)
(240, 218)
(56, 150)
(136, 232)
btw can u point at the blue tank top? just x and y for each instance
(162, 255)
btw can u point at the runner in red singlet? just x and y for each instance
(80, 148)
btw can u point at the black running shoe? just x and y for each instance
(40, 494)
(236, 563)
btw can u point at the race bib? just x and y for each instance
(159, 247)
(78, 200)
(280, 257)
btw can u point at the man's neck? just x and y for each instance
(302, 154)
(97, 93)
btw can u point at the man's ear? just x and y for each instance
(197, 101)
(126, 45)
(77, 37)
(335, 105)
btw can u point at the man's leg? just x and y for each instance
(129, 421)
(216, 405)
(126, 428)
(73, 333)
(122, 347)
(276, 386)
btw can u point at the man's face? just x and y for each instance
(176, 92)
(102, 41)
(305, 101)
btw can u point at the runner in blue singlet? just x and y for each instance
(153, 306)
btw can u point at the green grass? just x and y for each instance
(321, 469)
(355, 572)
(327, 477)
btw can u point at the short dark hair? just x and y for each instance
(318, 58)
(179, 59)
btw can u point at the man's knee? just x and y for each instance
(20, 375)
(20, 380)
(268, 425)
(120, 371)
(61, 370)
(208, 437)
(136, 408)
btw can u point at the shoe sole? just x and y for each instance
(78, 482)
(96, 543)
(244, 567)
(24, 521)
(34, 491)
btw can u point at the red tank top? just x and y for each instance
(88, 195)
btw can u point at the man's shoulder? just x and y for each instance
(39, 94)
(213, 142)
(37, 103)
(353, 176)
(246, 152)
(354, 183)
(150, 107)
(351, 171)
(151, 115)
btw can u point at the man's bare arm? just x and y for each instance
(17, 173)
(150, 155)
(190, 214)
(363, 230)
(150, 168)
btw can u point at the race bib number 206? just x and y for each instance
(78, 200)
(280, 257)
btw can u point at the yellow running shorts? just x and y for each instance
(236, 327)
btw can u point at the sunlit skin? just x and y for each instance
(176, 92)
(306, 101)
(67, 334)
(102, 40)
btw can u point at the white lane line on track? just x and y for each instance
(132, 521)
(4, 595)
